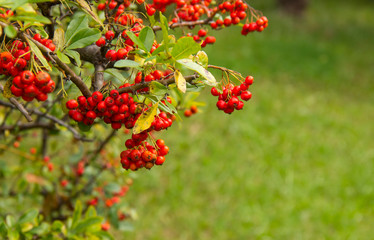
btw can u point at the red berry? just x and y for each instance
(72, 104)
(214, 91)
(97, 96)
(112, 4)
(201, 33)
(150, 11)
(210, 39)
(101, 6)
(109, 35)
(121, 53)
(111, 55)
(160, 160)
(187, 113)
(101, 42)
(248, 80)
(160, 143)
(27, 77)
(42, 78)
(246, 95)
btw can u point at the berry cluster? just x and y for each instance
(28, 86)
(15, 61)
(144, 154)
(189, 112)
(5, 13)
(228, 100)
(258, 26)
(200, 38)
(46, 42)
(116, 109)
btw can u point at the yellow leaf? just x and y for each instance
(181, 82)
(7, 93)
(59, 38)
(88, 10)
(145, 119)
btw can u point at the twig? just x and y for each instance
(18, 105)
(75, 133)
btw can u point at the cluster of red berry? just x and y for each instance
(28, 86)
(116, 109)
(228, 100)
(144, 155)
(5, 13)
(15, 61)
(46, 42)
(258, 26)
(199, 38)
(189, 112)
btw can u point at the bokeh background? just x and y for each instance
(298, 162)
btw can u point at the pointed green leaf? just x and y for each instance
(127, 63)
(78, 23)
(63, 57)
(10, 31)
(136, 40)
(28, 216)
(77, 213)
(157, 89)
(184, 47)
(188, 63)
(39, 55)
(31, 18)
(147, 36)
(87, 223)
(164, 28)
(84, 38)
(75, 55)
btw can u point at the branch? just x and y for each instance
(75, 133)
(73, 77)
(165, 82)
(18, 105)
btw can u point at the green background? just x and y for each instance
(297, 162)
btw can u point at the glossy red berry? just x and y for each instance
(72, 104)
(109, 35)
(27, 77)
(246, 95)
(101, 42)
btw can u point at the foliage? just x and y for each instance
(85, 70)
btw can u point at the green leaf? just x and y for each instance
(136, 40)
(157, 89)
(199, 69)
(13, 4)
(147, 36)
(10, 31)
(145, 119)
(185, 47)
(77, 24)
(3, 230)
(10, 220)
(59, 38)
(103, 235)
(77, 213)
(39, 55)
(89, 222)
(84, 38)
(91, 212)
(63, 57)
(32, 18)
(202, 58)
(41, 229)
(87, 8)
(28, 216)
(119, 78)
(58, 226)
(165, 32)
(127, 63)
(75, 55)
(180, 81)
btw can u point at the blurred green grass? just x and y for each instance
(297, 162)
